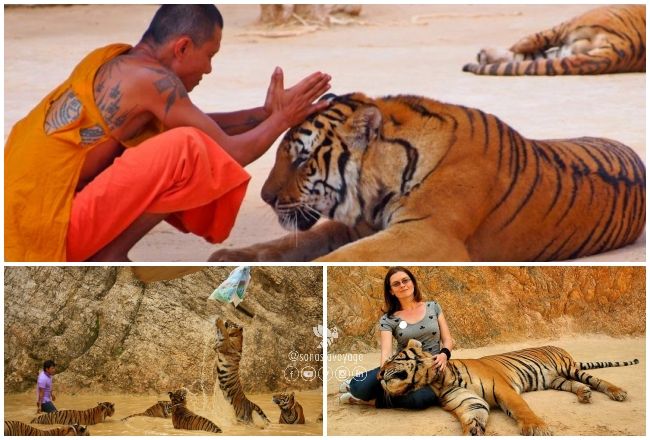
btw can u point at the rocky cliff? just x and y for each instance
(109, 331)
(485, 305)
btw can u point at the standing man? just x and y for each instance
(44, 388)
(119, 146)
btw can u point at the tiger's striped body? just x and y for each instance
(470, 387)
(161, 409)
(228, 345)
(183, 418)
(90, 416)
(429, 181)
(14, 427)
(609, 39)
(291, 412)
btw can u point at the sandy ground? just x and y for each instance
(22, 407)
(560, 410)
(390, 52)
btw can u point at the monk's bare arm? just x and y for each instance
(167, 99)
(238, 122)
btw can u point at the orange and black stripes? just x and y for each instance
(608, 39)
(71, 416)
(14, 428)
(183, 418)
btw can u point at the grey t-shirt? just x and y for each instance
(426, 331)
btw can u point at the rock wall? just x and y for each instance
(108, 331)
(486, 305)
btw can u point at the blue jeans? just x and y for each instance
(47, 407)
(366, 387)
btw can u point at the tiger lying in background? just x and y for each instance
(412, 179)
(14, 427)
(290, 410)
(70, 416)
(183, 418)
(469, 387)
(161, 409)
(228, 344)
(609, 39)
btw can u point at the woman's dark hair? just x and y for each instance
(195, 21)
(391, 302)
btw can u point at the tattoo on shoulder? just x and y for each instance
(63, 111)
(109, 103)
(90, 135)
(171, 84)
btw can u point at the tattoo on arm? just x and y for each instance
(169, 83)
(108, 95)
(243, 126)
(90, 135)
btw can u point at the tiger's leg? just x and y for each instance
(404, 242)
(301, 246)
(614, 392)
(516, 407)
(579, 389)
(540, 41)
(471, 411)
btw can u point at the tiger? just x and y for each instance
(14, 427)
(291, 412)
(470, 387)
(407, 178)
(608, 39)
(69, 416)
(228, 344)
(161, 409)
(183, 418)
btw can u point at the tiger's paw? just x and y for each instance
(475, 426)
(494, 56)
(617, 394)
(243, 255)
(537, 428)
(584, 395)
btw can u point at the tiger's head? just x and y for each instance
(166, 407)
(284, 400)
(107, 407)
(178, 398)
(229, 336)
(318, 163)
(408, 370)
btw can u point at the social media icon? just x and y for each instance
(291, 373)
(308, 373)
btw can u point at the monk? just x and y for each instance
(119, 146)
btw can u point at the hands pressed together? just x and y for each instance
(296, 103)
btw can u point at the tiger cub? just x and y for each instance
(290, 411)
(14, 427)
(470, 387)
(407, 178)
(183, 418)
(228, 345)
(161, 409)
(90, 416)
(609, 39)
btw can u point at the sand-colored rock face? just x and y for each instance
(107, 330)
(487, 305)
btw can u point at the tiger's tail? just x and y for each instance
(259, 411)
(134, 415)
(594, 365)
(577, 64)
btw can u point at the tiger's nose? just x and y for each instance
(269, 198)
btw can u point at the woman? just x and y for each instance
(407, 317)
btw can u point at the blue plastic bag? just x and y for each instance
(234, 288)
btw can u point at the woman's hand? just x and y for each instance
(440, 361)
(296, 103)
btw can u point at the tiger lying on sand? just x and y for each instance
(13, 427)
(183, 418)
(408, 178)
(609, 39)
(290, 410)
(229, 342)
(161, 409)
(70, 416)
(469, 387)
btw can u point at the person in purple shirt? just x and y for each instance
(44, 388)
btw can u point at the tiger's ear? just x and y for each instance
(414, 343)
(329, 97)
(170, 394)
(365, 125)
